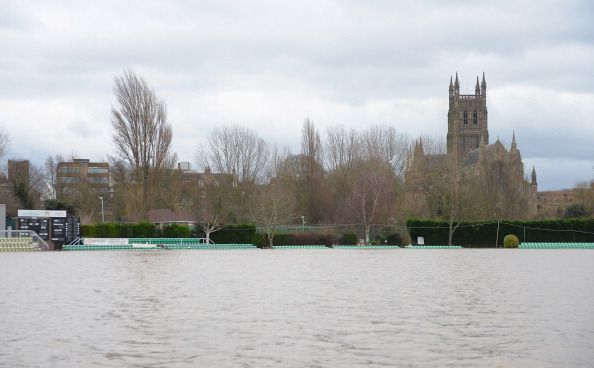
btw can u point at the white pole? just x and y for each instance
(497, 239)
(102, 213)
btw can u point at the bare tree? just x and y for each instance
(311, 177)
(211, 225)
(142, 137)
(274, 203)
(51, 176)
(452, 195)
(342, 148)
(584, 194)
(274, 207)
(373, 195)
(282, 163)
(236, 151)
(311, 145)
(386, 144)
(208, 205)
(215, 203)
(364, 179)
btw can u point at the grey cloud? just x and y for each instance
(16, 15)
(333, 61)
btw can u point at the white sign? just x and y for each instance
(41, 213)
(105, 241)
(420, 240)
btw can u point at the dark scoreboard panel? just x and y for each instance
(40, 225)
(56, 229)
(59, 229)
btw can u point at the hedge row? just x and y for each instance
(230, 235)
(485, 234)
(118, 230)
(302, 239)
(236, 234)
(325, 239)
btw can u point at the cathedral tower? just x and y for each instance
(467, 119)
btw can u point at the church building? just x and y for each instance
(485, 179)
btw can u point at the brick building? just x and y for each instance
(85, 185)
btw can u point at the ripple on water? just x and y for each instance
(347, 308)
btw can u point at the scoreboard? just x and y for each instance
(50, 225)
(65, 229)
(40, 226)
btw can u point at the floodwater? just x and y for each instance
(298, 308)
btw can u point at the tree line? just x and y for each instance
(349, 177)
(342, 176)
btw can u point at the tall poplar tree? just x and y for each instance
(142, 138)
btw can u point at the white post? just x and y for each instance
(102, 213)
(497, 239)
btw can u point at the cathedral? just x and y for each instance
(479, 179)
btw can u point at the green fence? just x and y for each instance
(557, 246)
(491, 234)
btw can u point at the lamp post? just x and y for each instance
(102, 213)
(302, 224)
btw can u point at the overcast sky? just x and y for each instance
(268, 65)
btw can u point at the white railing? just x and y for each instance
(76, 241)
(36, 240)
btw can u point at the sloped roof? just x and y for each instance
(165, 215)
(472, 157)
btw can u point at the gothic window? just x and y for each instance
(465, 118)
(474, 118)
